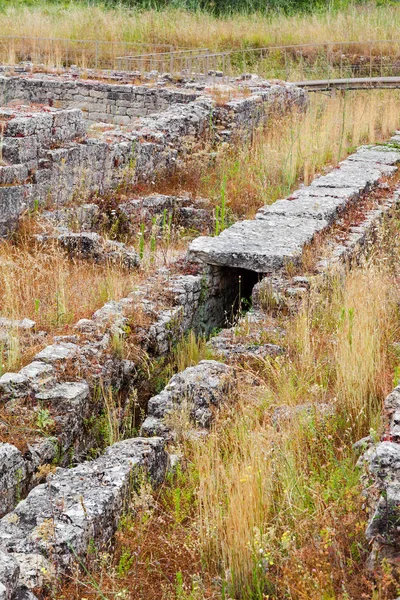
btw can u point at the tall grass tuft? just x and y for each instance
(277, 493)
(295, 147)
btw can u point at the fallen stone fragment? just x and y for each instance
(23, 324)
(77, 507)
(33, 377)
(57, 352)
(234, 345)
(86, 326)
(197, 390)
(112, 313)
(92, 245)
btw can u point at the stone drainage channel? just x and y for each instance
(45, 533)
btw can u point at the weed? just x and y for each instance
(44, 420)
(141, 240)
(125, 562)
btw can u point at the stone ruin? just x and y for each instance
(65, 138)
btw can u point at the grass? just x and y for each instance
(273, 513)
(78, 20)
(52, 290)
(44, 285)
(291, 149)
(267, 507)
(175, 26)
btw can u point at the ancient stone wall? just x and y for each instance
(99, 102)
(200, 301)
(46, 153)
(48, 156)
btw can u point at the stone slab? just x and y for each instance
(262, 245)
(316, 207)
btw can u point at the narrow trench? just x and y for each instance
(225, 311)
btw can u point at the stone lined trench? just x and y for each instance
(45, 533)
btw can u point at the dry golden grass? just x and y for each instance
(268, 486)
(291, 149)
(43, 284)
(181, 28)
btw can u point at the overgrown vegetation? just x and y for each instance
(46, 286)
(269, 505)
(357, 21)
(291, 149)
(218, 6)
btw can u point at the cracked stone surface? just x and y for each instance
(57, 352)
(262, 245)
(76, 506)
(196, 390)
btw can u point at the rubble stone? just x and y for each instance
(78, 506)
(196, 390)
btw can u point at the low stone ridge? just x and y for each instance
(59, 519)
(69, 406)
(359, 236)
(245, 341)
(281, 230)
(382, 482)
(193, 394)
